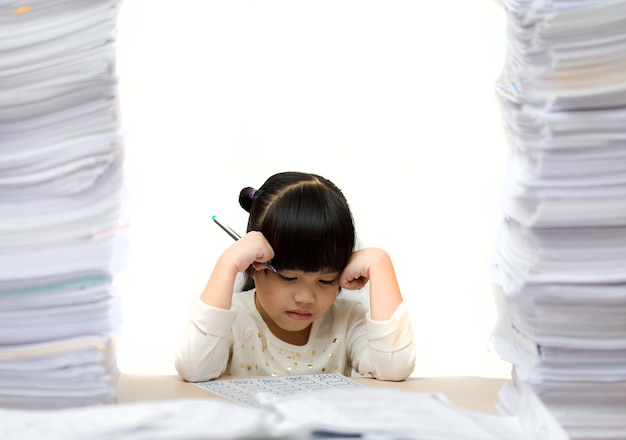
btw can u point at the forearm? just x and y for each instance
(218, 291)
(385, 295)
(252, 249)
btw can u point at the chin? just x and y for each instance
(296, 327)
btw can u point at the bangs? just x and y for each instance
(310, 229)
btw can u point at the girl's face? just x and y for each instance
(293, 299)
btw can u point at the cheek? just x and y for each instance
(327, 299)
(270, 294)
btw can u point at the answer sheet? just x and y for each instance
(246, 390)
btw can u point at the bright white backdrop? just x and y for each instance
(392, 100)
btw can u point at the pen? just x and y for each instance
(236, 237)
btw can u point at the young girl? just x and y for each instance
(294, 320)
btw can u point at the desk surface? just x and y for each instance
(475, 393)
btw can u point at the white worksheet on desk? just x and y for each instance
(247, 390)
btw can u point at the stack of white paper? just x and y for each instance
(566, 54)
(60, 203)
(561, 250)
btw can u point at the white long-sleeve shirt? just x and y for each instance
(237, 342)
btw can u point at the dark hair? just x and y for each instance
(305, 218)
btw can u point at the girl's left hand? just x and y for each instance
(374, 265)
(357, 273)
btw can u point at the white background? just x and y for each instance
(392, 100)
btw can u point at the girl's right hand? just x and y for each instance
(251, 249)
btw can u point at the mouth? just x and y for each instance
(299, 316)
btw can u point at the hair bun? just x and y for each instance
(246, 197)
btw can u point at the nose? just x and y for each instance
(304, 295)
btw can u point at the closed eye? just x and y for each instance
(284, 278)
(329, 282)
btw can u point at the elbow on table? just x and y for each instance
(190, 374)
(394, 376)
(395, 370)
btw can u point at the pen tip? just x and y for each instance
(213, 218)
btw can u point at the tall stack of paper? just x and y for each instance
(60, 203)
(561, 251)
